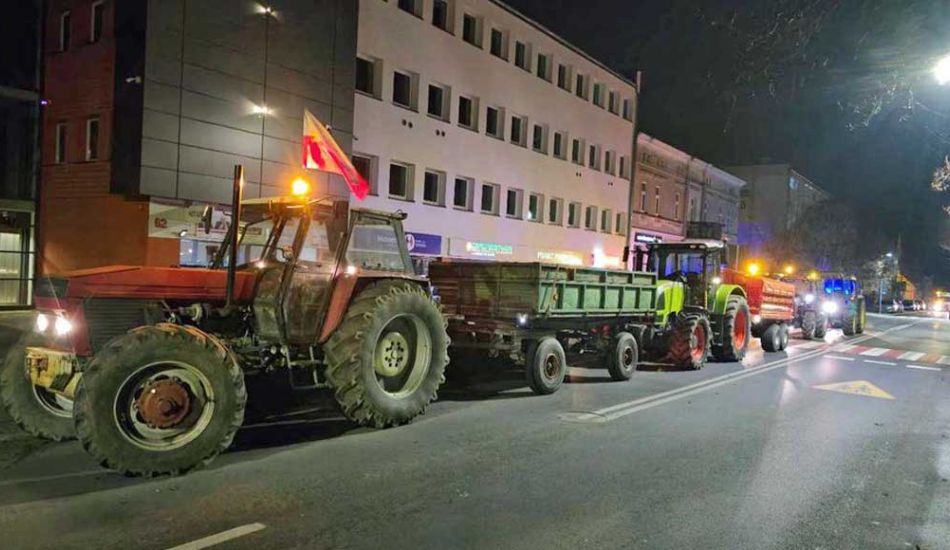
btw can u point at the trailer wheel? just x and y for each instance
(387, 359)
(689, 343)
(783, 335)
(162, 399)
(772, 338)
(36, 410)
(545, 365)
(622, 360)
(810, 325)
(736, 326)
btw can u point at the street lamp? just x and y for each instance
(942, 70)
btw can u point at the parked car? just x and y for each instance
(893, 306)
(910, 305)
(921, 305)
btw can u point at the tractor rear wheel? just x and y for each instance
(545, 365)
(622, 359)
(736, 326)
(162, 399)
(772, 338)
(862, 317)
(783, 336)
(36, 410)
(387, 359)
(821, 329)
(810, 325)
(689, 343)
(849, 325)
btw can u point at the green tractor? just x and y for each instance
(843, 303)
(698, 311)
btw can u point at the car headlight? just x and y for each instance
(809, 298)
(42, 322)
(829, 307)
(62, 326)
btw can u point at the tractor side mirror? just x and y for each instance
(206, 216)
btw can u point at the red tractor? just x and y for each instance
(147, 365)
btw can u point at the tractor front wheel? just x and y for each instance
(36, 410)
(387, 359)
(689, 343)
(162, 399)
(736, 327)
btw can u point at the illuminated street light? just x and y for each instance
(942, 70)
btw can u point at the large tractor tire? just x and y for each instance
(545, 365)
(849, 325)
(772, 338)
(821, 329)
(736, 330)
(862, 317)
(783, 336)
(810, 321)
(387, 359)
(623, 357)
(36, 410)
(162, 399)
(689, 343)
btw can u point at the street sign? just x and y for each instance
(424, 243)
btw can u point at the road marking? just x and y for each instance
(844, 347)
(223, 536)
(840, 358)
(810, 345)
(876, 362)
(921, 367)
(911, 356)
(856, 387)
(42, 479)
(874, 352)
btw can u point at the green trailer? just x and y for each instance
(537, 314)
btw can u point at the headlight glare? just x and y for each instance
(809, 298)
(829, 307)
(62, 326)
(42, 322)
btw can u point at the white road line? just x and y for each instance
(809, 345)
(944, 360)
(921, 367)
(223, 536)
(43, 479)
(876, 362)
(843, 347)
(839, 357)
(911, 356)
(874, 352)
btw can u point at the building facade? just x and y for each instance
(153, 102)
(774, 198)
(499, 139)
(659, 192)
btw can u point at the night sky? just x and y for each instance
(842, 90)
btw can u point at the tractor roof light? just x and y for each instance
(300, 187)
(789, 269)
(754, 268)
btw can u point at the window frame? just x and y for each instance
(496, 195)
(410, 176)
(376, 91)
(413, 90)
(568, 84)
(643, 197)
(538, 215)
(519, 205)
(558, 211)
(416, 7)
(575, 210)
(92, 21)
(578, 149)
(590, 218)
(543, 70)
(522, 124)
(371, 177)
(440, 187)
(543, 148)
(61, 142)
(469, 193)
(582, 86)
(473, 112)
(621, 218)
(90, 154)
(565, 139)
(65, 30)
(499, 122)
(656, 200)
(449, 16)
(446, 103)
(606, 220)
(477, 37)
(525, 49)
(502, 52)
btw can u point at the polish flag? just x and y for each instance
(321, 152)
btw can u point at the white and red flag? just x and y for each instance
(321, 152)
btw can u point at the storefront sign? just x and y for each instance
(563, 258)
(424, 243)
(647, 238)
(488, 250)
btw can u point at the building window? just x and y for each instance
(577, 152)
(555, 214)
(499, 44)
(656, 201)
(64, 23)
(439, 97)
(468, 113)
(495, 122)
(519, 130)
(366, 78)
(544, 67)
(627, 109)
(643, 197)
(610, 162)
(92, 139)
(692, 209)
(535, 205)
(593, 159)
(366, 166)
(95, 21)
(513, 204)
(522, 58)
(433, 188)
(623, 166)
(580, 86)
(403, 90)
(574, 214)
(462, 199)
(440, 15)
(590, 218)
(472, 30)
(489, 199)
(539, 139)
(411, 6)
(400, 181)
(621, 223)
(676, 207)
(605, 219)
(599, 95)
(560, 145)
(612, 103)
(60, 155)
(564, 77)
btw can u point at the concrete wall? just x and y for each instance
(396, 40)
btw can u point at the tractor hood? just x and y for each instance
(144, 283)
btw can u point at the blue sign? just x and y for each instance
(424, 243)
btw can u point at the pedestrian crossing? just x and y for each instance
(883, 353)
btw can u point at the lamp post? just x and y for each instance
(880, 289)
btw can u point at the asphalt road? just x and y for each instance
(734, 456)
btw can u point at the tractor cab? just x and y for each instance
(843, 303)
(689, 271)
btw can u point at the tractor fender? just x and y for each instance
(723, 293)
(345, 288)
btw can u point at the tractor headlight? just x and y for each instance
(829, 307)
(522, 319)
(42, 322)
(809, 298)
(756, 319)
(62, 326)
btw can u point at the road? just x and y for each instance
(757, 455)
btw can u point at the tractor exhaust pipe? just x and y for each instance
(234, 233)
